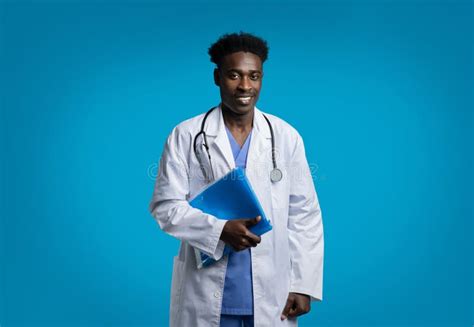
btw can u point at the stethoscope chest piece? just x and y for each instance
(276, 175)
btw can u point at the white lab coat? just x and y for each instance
(289, 257)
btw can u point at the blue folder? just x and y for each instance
(230, 197)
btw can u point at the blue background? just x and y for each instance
(382, 94)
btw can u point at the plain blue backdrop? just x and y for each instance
(382, 94)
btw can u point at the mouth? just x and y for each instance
(243, 100)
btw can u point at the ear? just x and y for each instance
(217, 79)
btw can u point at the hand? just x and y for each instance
(296, 305)
(236, 233)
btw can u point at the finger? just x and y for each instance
(288, 306)
(253, 221)
(242, 245)
(299, 308)
(252, 238)
(253, 242)
(295, 311)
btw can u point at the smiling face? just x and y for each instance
(239, 78)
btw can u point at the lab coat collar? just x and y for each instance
(216, 128)
(215, 125)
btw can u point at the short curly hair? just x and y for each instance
(235, 42)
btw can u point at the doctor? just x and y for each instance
(268, 280)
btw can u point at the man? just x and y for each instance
(267, 280)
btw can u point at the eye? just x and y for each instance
(233, 75)
(255, 77)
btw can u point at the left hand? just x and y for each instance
(296, 305)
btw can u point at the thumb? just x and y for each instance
(288, 306)
(253, 221)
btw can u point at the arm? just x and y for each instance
(170, 208)
(306, 239)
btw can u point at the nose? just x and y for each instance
(244, 84)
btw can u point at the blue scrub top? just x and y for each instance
(238, 294)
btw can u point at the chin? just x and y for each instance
(242, 109)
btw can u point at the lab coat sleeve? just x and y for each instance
(305, 228)
(171, 210)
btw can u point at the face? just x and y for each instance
(239, 78)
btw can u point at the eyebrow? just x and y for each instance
(241, 71)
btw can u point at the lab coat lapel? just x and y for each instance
(259, 161)
(220, 147)
(260, 144)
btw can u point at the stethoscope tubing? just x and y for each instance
(276, 173)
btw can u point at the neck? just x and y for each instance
(240, 122)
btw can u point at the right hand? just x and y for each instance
(236, 233)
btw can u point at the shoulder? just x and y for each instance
(185, 130)
(189, 125)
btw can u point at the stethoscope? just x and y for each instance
(275, 175)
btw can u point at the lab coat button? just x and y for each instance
(217, 294)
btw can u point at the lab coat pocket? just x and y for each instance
(176, 290)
